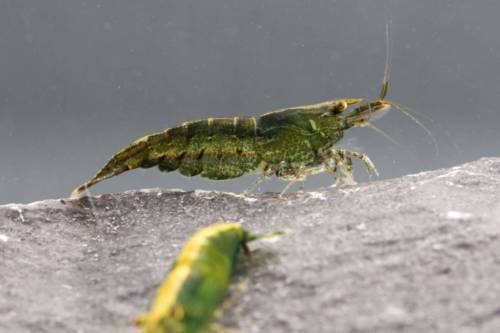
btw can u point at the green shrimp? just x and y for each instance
(198, 281)
(291, 144)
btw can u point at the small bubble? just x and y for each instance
(361, 226)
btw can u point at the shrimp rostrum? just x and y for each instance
(291, 144)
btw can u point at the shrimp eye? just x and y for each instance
(343, 106)
(339, 107)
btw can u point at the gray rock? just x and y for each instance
(419, 253)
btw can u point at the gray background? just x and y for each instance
(81, 79)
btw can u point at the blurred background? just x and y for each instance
(80, 80)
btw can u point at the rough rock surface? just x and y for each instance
(419, 253)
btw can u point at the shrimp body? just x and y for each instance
(287, 143)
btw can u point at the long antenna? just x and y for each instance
(385, 135)
(406, 111)
(385, 81)
(403, 109)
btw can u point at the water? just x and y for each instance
(81, 80)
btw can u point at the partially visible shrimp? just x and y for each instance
(199, 279)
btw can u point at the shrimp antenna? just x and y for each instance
(407, 112)
(385, 87)
(267, 235)
(414, 112)
(384, 134)
(385, 81)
